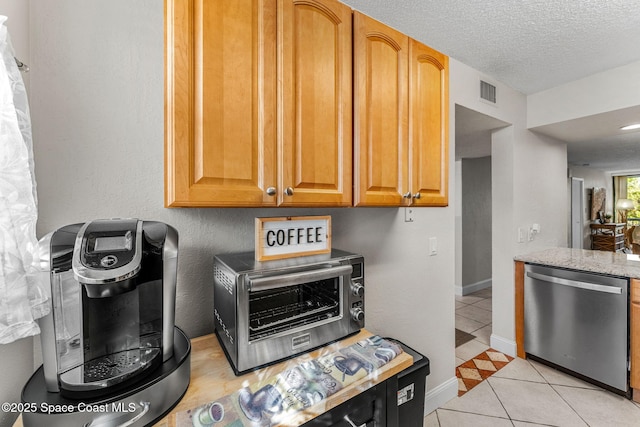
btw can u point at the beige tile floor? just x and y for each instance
(473, 315)
(526, 393)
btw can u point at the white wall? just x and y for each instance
(528, 186)
(16, 359)
(476, 224)
(97, 107)
(458, 227)
(609, 90)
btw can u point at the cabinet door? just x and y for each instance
(428, 125)
(380, 114)
(315, 103)
(220, 106)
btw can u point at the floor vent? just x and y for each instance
(488, 92)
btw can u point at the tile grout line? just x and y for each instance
(475, 330)
(526, 381)
(568, 404)
(498, 397)
(556, 392)
(474, 413)
(547, 383)
(475, 320)
(482, 323)
(438, 418)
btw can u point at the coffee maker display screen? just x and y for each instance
(108, 245)
(112, 243)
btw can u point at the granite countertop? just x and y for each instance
(611, 263)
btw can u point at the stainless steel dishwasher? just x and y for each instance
(578, 321)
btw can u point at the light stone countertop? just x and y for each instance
(611, 263)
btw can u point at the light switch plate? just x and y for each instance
(433, 246)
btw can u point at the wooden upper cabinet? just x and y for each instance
(300, 103)
(401, 106)
(258, 103)
(315, 142)
(380, 114)
(428, 125)
(220, 102)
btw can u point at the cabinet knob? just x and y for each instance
(271, 191)
(416, 196)
(288, 191)
(407, 195)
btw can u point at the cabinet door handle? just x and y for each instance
(407, 195)
(288, 191)
(271, 191)
(111, 421)
(352, 424)
(416, 196)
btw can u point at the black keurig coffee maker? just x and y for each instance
(111, 352)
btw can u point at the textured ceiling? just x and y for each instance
(530, 45)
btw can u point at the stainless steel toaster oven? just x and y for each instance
(272, 310)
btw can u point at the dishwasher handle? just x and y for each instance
(576, 284)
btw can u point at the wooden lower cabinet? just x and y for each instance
(634, 338)
(519, 305)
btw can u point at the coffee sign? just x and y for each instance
(288, 237)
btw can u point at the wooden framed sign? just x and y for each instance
(292, 236)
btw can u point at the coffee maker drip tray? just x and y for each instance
(110, 370)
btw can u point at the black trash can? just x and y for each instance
(410, 391)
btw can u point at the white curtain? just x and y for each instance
(24, 295)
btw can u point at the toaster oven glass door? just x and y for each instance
(272, 311)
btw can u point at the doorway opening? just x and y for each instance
(473, 231)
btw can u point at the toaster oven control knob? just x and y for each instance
(357, 289)
(357, 314)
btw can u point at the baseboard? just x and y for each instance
(440, 395)
(504, 345)
(473, 287)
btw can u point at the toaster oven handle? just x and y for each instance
(291, 279)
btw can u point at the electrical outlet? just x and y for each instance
(408, 215)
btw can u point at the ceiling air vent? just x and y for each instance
(488, 92)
